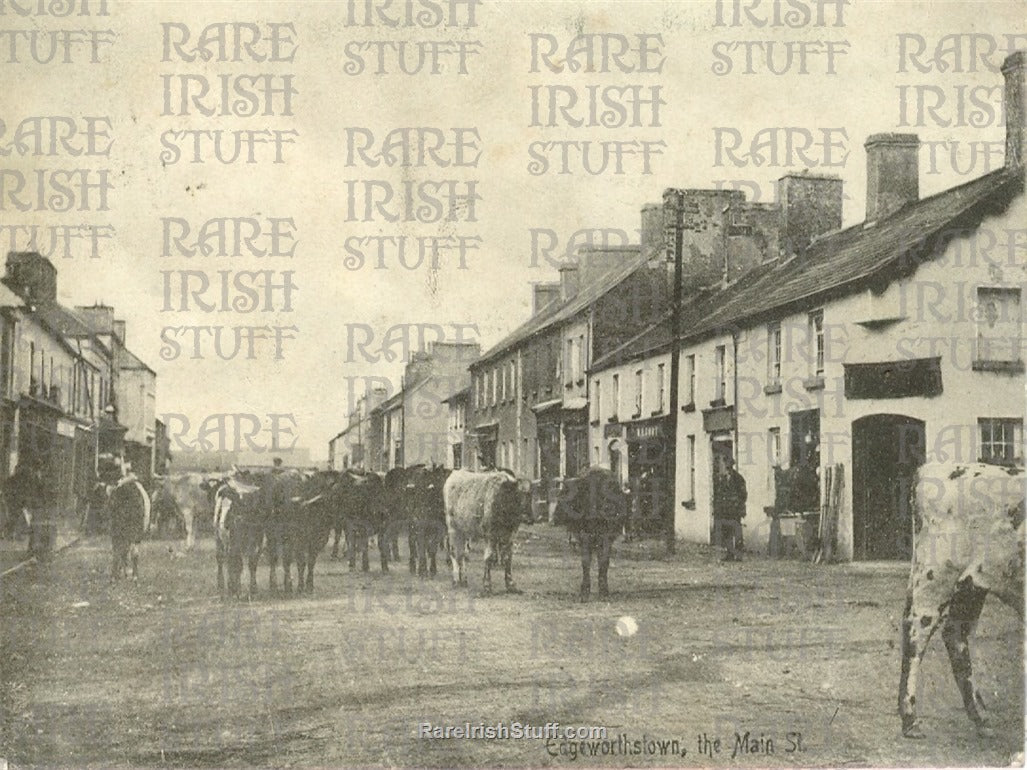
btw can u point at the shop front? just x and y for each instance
(650, 475)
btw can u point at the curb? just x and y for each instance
(33, 560)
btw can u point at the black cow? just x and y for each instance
(427, 517)
(309, 516)
(129, 513)
(359, 500)
(594, 509)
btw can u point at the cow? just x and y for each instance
(426, 517)
(238, 531)
(250, 517)
(359, 498)
(594, 509)
(129, 515)
(968, 531)
(309, 517)
(183, 498)
(487, 504)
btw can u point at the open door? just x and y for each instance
(887, 450)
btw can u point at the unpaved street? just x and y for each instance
(164, 673)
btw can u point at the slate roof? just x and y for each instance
(557, 312)
(836, 264)
(129, 360)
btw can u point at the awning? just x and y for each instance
(489, 429)
(574, 404)
(546, 406)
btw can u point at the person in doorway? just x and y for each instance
(729, 499)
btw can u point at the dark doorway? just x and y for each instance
(722, 450)
(648, 481)
(887, 449)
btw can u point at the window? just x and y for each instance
(999, 327)
(1001, 440)
(773, 454)
(513, 380)
(720, 363)
(690, 379)
(638, 392)
(816, 340)
(690, 464)
(660, 387)
(597, 403)
(615, 398)
(569, 365)
(773, 354)
(495, 385)
(582, 362)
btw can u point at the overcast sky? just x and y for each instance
(494, 98)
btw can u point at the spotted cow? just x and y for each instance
(968, 541)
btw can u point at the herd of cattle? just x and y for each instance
(968, 537)
(289, 516)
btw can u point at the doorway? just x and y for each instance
(722, 451)
(887, 450)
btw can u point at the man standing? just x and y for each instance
(729, 499)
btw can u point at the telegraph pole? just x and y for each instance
(674, 214)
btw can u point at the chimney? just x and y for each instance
(811, 205)
(99, 317)
(893, 173)
(31, 276)
(119, 332)
(542, 295)
(1015, 101)
(568, 281)
(653, 231)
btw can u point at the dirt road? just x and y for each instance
(164, 673)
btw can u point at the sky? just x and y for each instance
(495, 109)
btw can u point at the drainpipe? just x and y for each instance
(734, 377)
(676, 198)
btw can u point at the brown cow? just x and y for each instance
(595, 510)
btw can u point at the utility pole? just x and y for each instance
(674, 211)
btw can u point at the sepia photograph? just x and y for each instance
(512, 383)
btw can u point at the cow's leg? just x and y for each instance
(434, 536)
(412, 544)
(273, 544)
(187, 520)
(963, 615)
(490, 559)
(365, 536)
(220, 555)
(351, 545)
(585, 540)
(456, 557)
(386, 539)
(603, 564)
(254, 539)
(506, 554)
(311, 559)
(917, 630)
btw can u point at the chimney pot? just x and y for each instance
(893, 173)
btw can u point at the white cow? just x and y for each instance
(968, 541)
